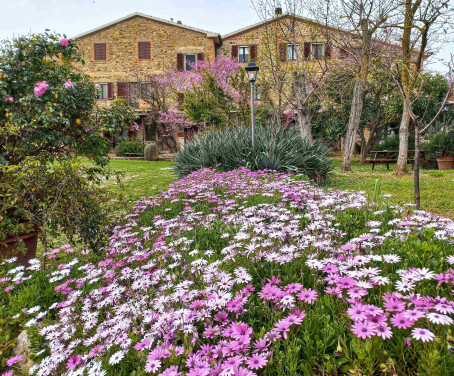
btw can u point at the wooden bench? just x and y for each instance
(133, 154)
(390, 156)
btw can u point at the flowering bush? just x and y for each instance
(214, 94)
(45, 121)
(248, 273)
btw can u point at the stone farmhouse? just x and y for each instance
(119, 56)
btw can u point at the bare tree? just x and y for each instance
(420, 123)
(424, 24)
(361, 26)
(293, 76)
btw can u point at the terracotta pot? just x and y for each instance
(446, 163)
(10, 247)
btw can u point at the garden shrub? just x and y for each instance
(247, 273)
(129, 146)
(275, 149)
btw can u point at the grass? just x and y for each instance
(141, 178)
(437, 187)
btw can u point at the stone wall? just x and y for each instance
(122, 63)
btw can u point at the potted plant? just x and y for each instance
(46, 117)
(442, 145)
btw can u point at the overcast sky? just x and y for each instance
(72, 17)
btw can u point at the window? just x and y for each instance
(317, 51)
(102, 91)
(293, 51)
(189, 61)
(144, 50)
(243, 54)
(100, 51)
(258, 92)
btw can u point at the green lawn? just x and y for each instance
(141, 178)
(437, 187)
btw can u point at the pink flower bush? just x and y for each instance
(64, 42)
(40, 88)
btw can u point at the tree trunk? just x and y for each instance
(353, 125)
(302, 107)
(416, 166)
(402, 159)
(363, 152)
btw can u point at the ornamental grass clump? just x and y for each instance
(246, 273)
(275, 149)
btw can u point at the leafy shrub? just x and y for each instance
(132, 146)
(275, 149)
(442, 144)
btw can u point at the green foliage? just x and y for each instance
(59, 121)
(117, 117)
(129, 146)
(61, 195)
(275, 149)
(442, 143)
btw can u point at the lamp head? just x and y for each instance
(252, 70)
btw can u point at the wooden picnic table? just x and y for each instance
(390, 156)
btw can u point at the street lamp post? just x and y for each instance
(252, 71)
(445, 111)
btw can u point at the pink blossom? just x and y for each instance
(64, 42)
(134, 127)
(9, 99)
(13, 360)
(68, 84)
(421, 334)
(40, 88)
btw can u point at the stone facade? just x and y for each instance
(275, 33)
(122, 64)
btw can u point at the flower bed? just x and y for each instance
(251, 273)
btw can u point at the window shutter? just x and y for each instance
(200, 56)
(122, 90)
(307, 50)
(234, 52)
(328, 50)
(253, 51)
(180, 62)
(283, 52)
(144, 50)
(100, 51)
(110, 90)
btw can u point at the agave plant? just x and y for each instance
(275, 149)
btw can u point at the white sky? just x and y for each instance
(72, 17)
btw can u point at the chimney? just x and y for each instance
(278, 11)
(171, 20)
(179, 23)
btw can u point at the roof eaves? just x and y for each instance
(209, 34)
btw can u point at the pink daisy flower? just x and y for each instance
(384, 331)
(13, 360)
(308, 295)
(401, 322)
(421, 334)
(364, 329)
(357, 312)
(257, 361)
